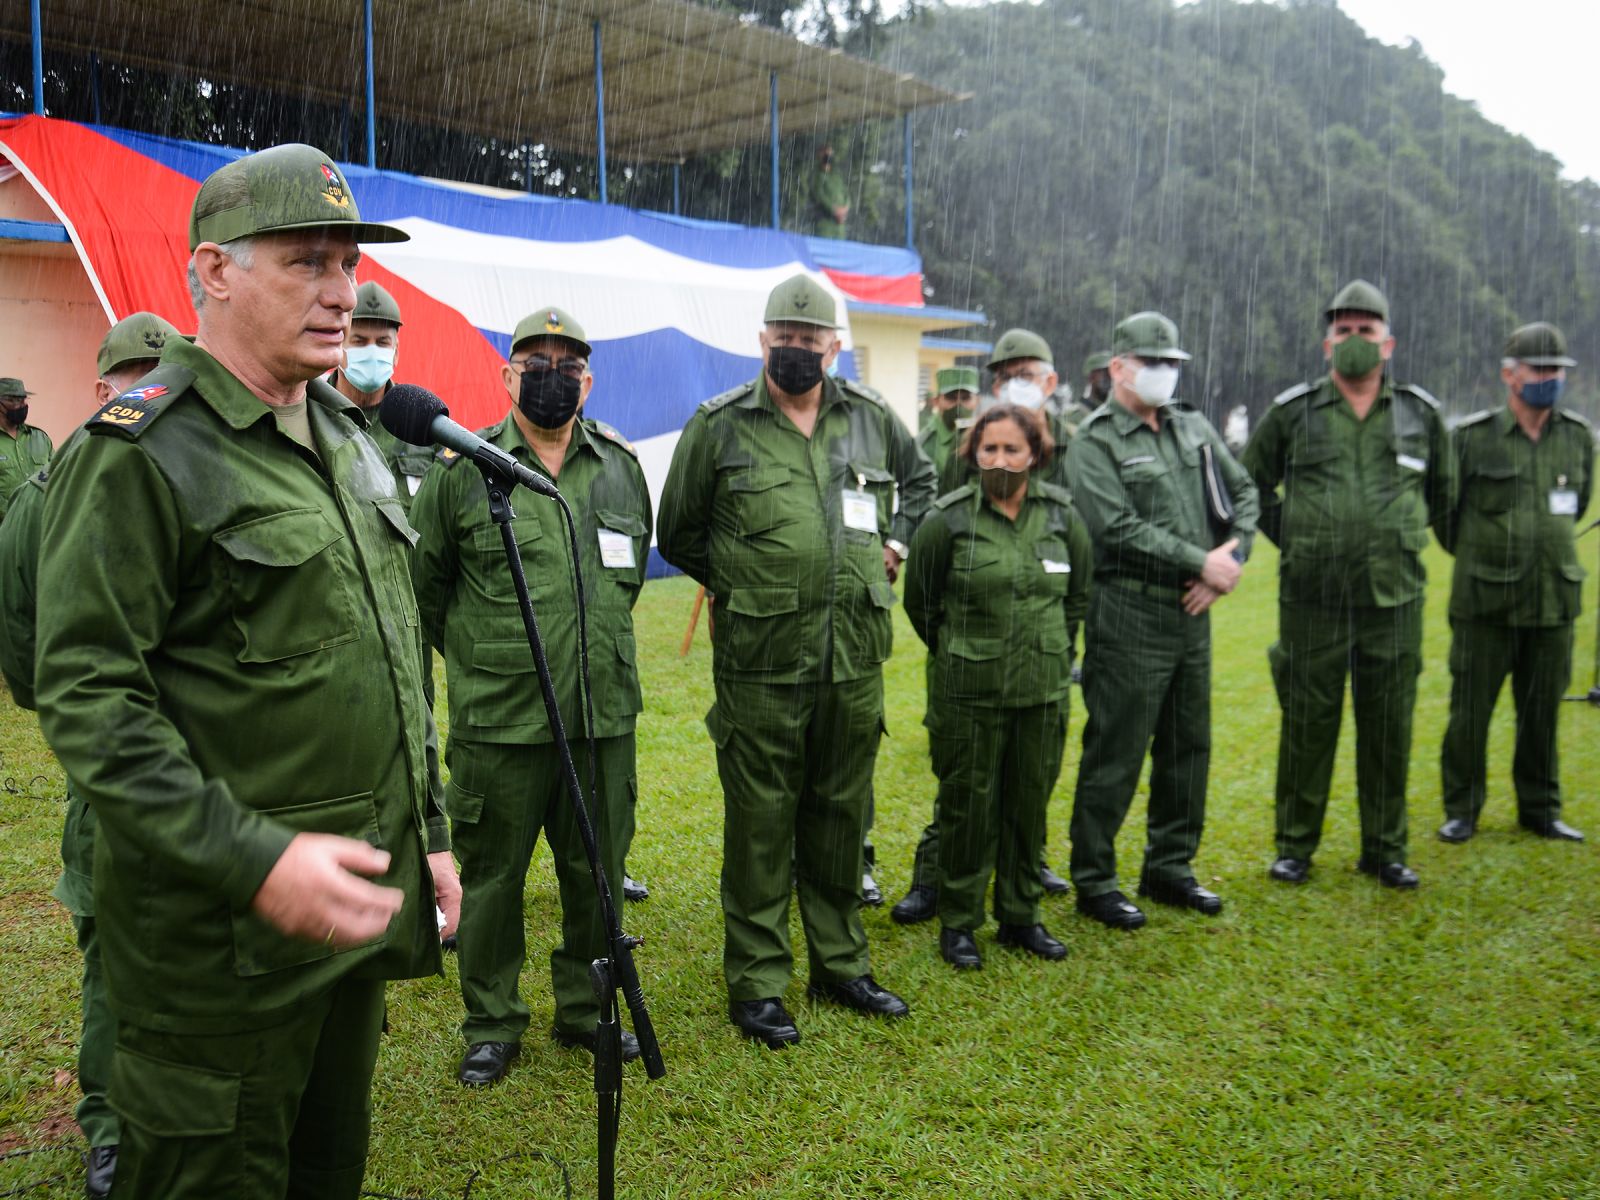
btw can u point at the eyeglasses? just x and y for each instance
(1032, 374)
(569, 368)
(1176, 364)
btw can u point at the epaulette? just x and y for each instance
(1420, 393)
(950, 499)
(1562, 411)
(1098, 414)
(131, 413)
(862, 391)
(447, 457)
(612, 434)
(1477, 418)
(1051, 491)
(728, 397)
(1294, 393)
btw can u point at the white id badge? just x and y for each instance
(1051, 567)
(413, 482)
(1563, 502)
(1410, 463)
(860, 511)
(616, 549)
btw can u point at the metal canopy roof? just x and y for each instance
(679, 79)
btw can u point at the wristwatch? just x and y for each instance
(899, 548)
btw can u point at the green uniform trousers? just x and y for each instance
(996, 769)
(1147, 686)
(96, 1117)
(269, 1114)
(1539, 661)
(795, 761)
(1381, 650)
(499, 798)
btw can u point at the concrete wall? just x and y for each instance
(891, 361)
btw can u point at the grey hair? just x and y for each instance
(1509, 364)
(242, 250)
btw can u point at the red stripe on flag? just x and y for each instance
(904, 290)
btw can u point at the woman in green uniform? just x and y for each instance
(997, 581)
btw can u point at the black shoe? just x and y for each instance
(1186, 894)
(449, 944)
(919, 905)
(1053, 884)
(574, 1040)
(1291, 870)
(871, 894)
(1035, 939)
(634, 890)
(99, 1169)
(764, 1021)
(487, 1062)
(1111, 909)
(1391, 875)
(1556, 830)
(1457, 829)
(960, 949)
(862, 994)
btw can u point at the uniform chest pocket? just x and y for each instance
(616, 564)
(877, 483)
(760, 501)
(1143, 478)
(490, 548)
(1493, 489)
(1054, 567)
(291, 587)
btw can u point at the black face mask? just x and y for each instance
(548, 398)
(794, 370)
(16, 416)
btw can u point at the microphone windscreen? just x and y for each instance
(408, 411)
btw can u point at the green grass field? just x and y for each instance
(1333, 1040)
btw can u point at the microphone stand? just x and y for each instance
(616, 971)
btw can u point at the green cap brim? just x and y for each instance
(1549, 360)
(233, 223)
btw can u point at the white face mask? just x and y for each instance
(1155, 385)
(369, 367)
(1024, 393)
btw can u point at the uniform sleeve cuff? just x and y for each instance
(438, 835)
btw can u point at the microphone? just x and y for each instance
(415, 415)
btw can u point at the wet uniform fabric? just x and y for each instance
(20, 457)
(786, 532)
(1352, 522)
(1147, 663)
(506, 782)
(1515, 595)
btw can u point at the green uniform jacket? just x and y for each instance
(956, 472)
(20, 457)
(19, 586)
(1358, 496)
(828, 192)
(232, 655)
(999, 602)
(1142, 494)
(409, 463)
(1512, 528)
(755, 511)
(938, 443)
(469, 609)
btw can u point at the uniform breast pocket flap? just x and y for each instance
(288, 584)
(395, 517)
(759, 499)
(1492, 489)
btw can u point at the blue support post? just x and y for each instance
(38, 58)
(774, 135)
(911, 243)
(372, 97)
(94, 84)
(677, 189)
(600, 109)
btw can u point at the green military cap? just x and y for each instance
(1146, 335)
(278, 189)
(956, 379)
(141, 336)
(802, 300)
(1540, 344)
(13, 388)
(1020, 343)
(550, 322)
(1359, 296)
(1098, 361)
(374, 303)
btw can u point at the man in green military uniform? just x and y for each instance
(1096, 379)
(227, 566)
(127, 352)
(24, 448)
(1365, 466)
(1022, 372)
(830, 198)
(1151, 479)
(365, 375)
(955, 403)
(506, 782)
(1526, 472)
(782, 500)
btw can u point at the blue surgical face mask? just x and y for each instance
(1543, 394)
(368, 368)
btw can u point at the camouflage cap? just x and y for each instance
(956, 379)
(802, 300)
(1146, 335)
(1098, 361)
(550, 322)
(281, 188)
(1540, 344)
(1020, 343)
(374, 303)
(1359, 296)
(13, 388)
(132, 339)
